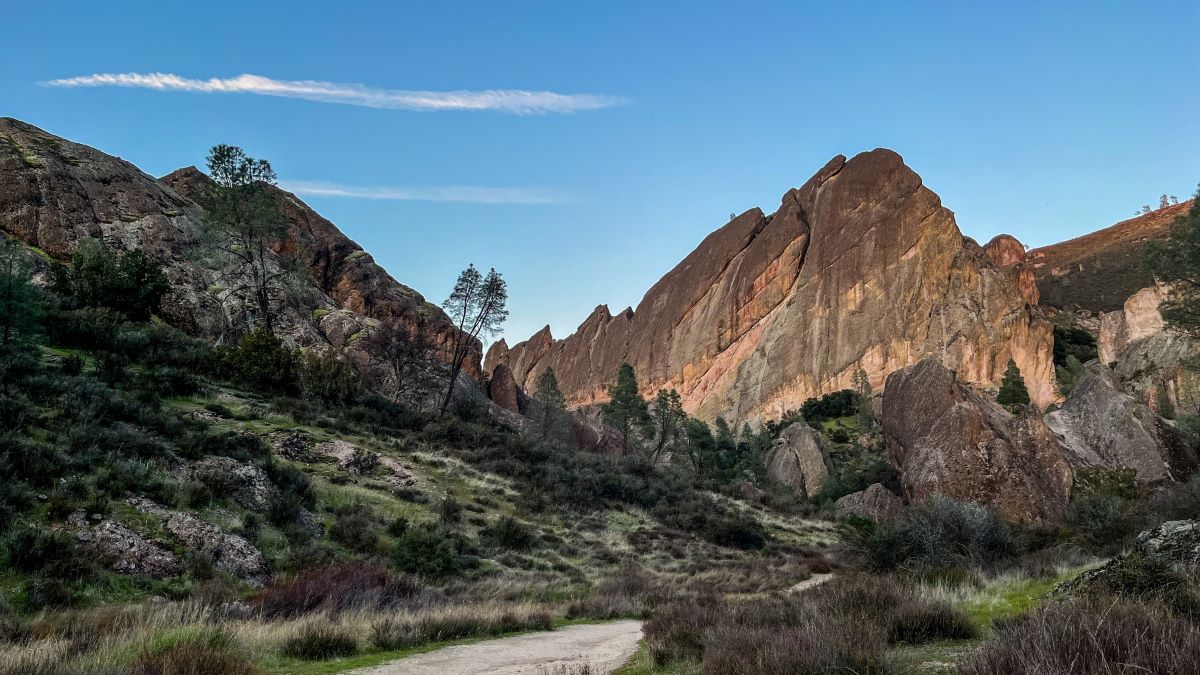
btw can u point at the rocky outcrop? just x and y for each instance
(245, 483)
(876, 503)
(1007, 253)
(1098, 271)
(860, 268)
(1137, 319)
(55, 193)
(1175, 543)
(1101, 425)
(799, 458)
(947, 439)
(503, 390)
(228, 552)
(356, 460)
(126, 552)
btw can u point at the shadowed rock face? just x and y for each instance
(861, 267)
(947, 439)
(876, 503)
(799, 458)
(55, 193)
(1101, 425)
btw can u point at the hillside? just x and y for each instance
(1100, 270)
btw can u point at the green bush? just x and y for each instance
(129, 283)
(937, 533)
(509, 533)
(428, 552)
(261, 362)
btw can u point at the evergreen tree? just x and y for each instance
(551, 397)
(1012, 387)
(242, 231)
(20, 304)
(1176, 261)
(477, 306)
(1068, 374)
(668, 419)
(129, 283)
(626, 410)
(329, 378)
(866, 413)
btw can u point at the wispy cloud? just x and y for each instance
(448, 193)
(514, 101)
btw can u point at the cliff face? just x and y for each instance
(1098, 271)
(55, 193)
(861, 267)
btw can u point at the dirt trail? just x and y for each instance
(603, 646)
(811, 582)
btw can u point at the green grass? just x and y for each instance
(641, 664)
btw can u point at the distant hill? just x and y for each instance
(1098, 271)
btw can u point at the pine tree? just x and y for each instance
(20, 307)
(1012, 387)
(551, 397)
(668, 418)
(626, 409)
(477, 306)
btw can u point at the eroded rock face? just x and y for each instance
(861, 267)
(947, 439)
(503, 390)
(1139, 318)
(876, 503)
(55, 193)
(799, 458)
(1101, 425)
(1007, 253)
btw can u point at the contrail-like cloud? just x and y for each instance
(515, 101)
(449, 193)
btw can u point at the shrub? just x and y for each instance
(129, 283)
(353, 529)
(428, 552)
(937, 533)
(1087, 636)
(329, 378)
(259, 361)
(842, 403)
(1102, 481)
(736, 532)
(509, 533)
(209, 654)
(455, 623)
(338, 588)
(1101, 519)
(319, 640)
(918, 623)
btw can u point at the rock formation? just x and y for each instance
(502, 389)
(947, 439)
(799, 458)
(1101, 425)
(860, 268)
(876, 503)
(55, 193)
(1138, 318)
(1007, 253)
(1098, 271)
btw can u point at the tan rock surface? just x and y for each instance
(862, 267)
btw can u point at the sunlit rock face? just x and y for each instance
(860, 268)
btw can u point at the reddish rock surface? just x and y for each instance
(55, 193)
(1006, 252)
(502, 389)
(947, 439)
(862, 267)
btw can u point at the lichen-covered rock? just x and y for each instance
(1101, 425)
(876, 503)
(860, 268)
(127, 552)
(1175, 542)
(245, 483)
(947, 439)
(363, 462)
(228, 552)
(799, 458)
(294, 445)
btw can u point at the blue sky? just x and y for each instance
(1043, 122)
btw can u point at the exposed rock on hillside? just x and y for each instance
(799, 458)
(1138, 318)
(1101, 425)
(1007, 253)
(862, 267)
(1098, 271)
(947, 439)
(503, 389)
(876, 503)
(127, 552)
(55, 193)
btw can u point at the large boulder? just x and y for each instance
(503, 390)
(799, 458)
(861, 268)
(876, 503)
(1101, 425)
(245, 483)
(946, 438)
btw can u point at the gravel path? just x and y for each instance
(603, 646)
